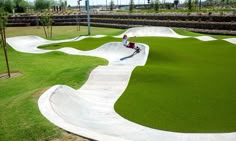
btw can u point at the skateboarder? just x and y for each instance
(130, 44)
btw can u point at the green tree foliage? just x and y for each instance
(156, 5)
(42, 4)
(63, 5)
(176, 2)
(111, 5)
(152, 3)
(1, 3)
(189, 5)
(20, 5)
(8, 6)
(131, 6)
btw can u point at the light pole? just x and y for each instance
(88, 15)
(106, 5)
(117, 4)
(78, 16)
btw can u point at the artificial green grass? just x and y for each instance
(186, 86)
(20, 118)
(61, 32)
(85, 44)
(187, 33)
(195, 34)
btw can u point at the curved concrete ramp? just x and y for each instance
(29, 44)
(205, 38)
(231, 40)
(113, 52)
(89, 111)
(151, 32)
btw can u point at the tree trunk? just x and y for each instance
(51, 32)
(200, 4)
(45, 32)
(5, 51)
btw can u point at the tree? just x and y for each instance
(209, 2)
(66, 5)
(42, 4)
(3, 21)
(46, 21)
(156, 5)
(152, 3)
(222, 3)
(189, 5)
(227, 2)
(200, 4)
(131, 6)
(1, 3)
(111, 5)
(176, 2)
(8, 6)
(20, 5)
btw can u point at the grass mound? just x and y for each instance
(186, 86)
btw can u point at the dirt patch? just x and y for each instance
(70, 137)
(39, 92)
(13, 75)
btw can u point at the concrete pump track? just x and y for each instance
(89, 111)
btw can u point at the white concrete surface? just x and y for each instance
(89, 111)
(205, 38)
(231, 40)
(150, 31)
(29, 44)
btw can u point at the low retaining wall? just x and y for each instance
(203, 22)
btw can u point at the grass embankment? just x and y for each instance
(186, 86)
(61, 32)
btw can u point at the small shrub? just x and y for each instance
(221, 13)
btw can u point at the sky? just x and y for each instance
(96, 2)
